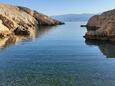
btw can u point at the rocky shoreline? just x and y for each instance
(101, 27)
(22, 21)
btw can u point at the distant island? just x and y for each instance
(73, 17)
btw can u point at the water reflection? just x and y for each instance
(44, 29)
(15, 39)
(107, 48)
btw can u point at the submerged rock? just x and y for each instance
(101, 27)
(16, 20)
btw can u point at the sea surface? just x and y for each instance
(58, 56)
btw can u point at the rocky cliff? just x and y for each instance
(101, 27)
(21, 21)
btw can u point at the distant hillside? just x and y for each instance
(73, 17)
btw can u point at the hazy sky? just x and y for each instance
(56, 7)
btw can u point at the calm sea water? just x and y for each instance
(59, 56)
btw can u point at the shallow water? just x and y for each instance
(59, 56)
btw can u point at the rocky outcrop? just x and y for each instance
(41, 18)
(21, 21)
(101, 27)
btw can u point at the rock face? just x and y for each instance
(16, 20)
(101, 27)
(41, 18)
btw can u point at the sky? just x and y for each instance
(60, 7)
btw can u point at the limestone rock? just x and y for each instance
(101, 27)
(41, 18)
(21, 31)
(16, 20)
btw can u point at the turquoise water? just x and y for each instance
(59, 56)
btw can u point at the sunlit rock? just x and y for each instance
(101, 27)
(17, 23)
